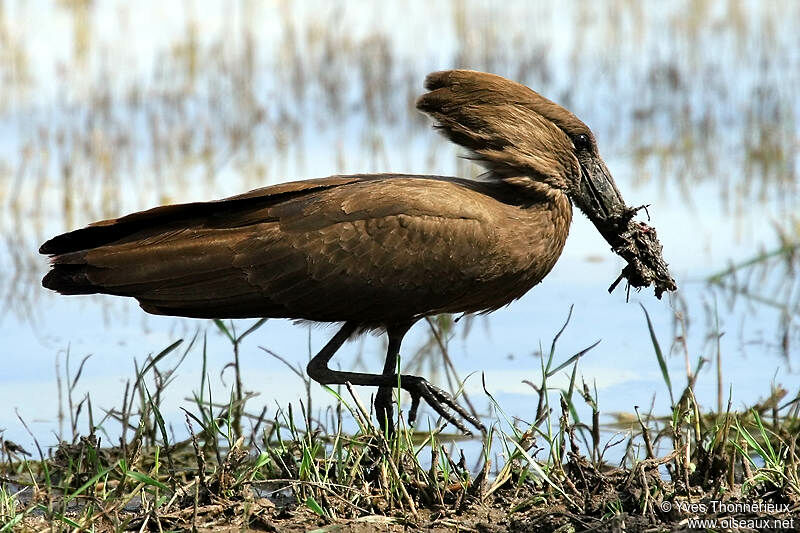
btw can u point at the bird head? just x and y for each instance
(522, 137)
(528, 141)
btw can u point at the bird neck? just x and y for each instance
(544, 221)
(535, 192)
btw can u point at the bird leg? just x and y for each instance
(383, 399)
(418, 388)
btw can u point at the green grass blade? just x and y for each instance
(539, 471)
(312, 504)
(62, 518)
(659, 355)
(571, 360)
(13, 522)
(224, 329)
(92, 481)
(252, 328)
(161, 355)
(159, 419)
(147, 480)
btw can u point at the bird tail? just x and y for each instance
(70, 275)
(103, 256)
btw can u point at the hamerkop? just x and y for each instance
(377, 251)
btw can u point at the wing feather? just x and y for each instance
(371, 249)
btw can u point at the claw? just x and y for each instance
(412, 412)
(440, 401)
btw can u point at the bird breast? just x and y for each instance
(527, 244)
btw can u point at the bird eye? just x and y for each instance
(582, 142)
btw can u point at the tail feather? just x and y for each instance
(70, 279)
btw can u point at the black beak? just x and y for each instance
(636, 242)
(598, 196)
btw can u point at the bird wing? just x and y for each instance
(154, 220)
(365, 248)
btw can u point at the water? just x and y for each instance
(108, 108)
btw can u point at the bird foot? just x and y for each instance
(441, 402)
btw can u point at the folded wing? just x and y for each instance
(342, 248)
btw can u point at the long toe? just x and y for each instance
(441, 402)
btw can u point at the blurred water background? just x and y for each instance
(109, 107)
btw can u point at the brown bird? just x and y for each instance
(371, 251)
